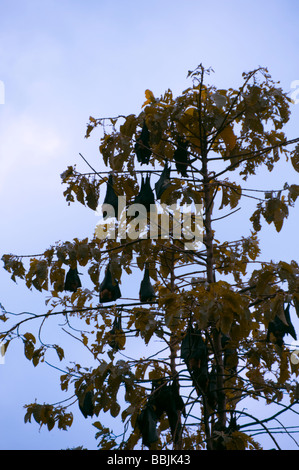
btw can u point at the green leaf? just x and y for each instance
(30, 337)
(256, 219)
(129, 126)
(28, 350)
(50, 423)
(294, 191)
(97, 425)
(149, 97)
(92, 197)
(64, 382)
(276, 211)
(38, 353)
(36, 412)
(114, 409)
(60, 352)
(229, 138)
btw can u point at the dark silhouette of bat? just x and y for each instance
(165, 398)
(223, 432)
(277, 328)
(200, 376)
(163, 182)
(72, 280)
(179, 402)
(181, 157)
(160, 396)
(85, 401)
(194, 352)
(111, 197)
(146, 292)
(109, 289)
(233, 426)
(212, 397)
(145, 196)
(147, 424)
(116, 331)
(142, 146)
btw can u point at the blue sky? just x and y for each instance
(62, 61)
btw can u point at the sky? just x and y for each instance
(63, 61)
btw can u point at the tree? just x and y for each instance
(207, 330)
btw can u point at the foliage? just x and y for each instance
(220, 133)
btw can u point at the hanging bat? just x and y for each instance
(163, 182)
(176, 407)
(277, 328)
(109, 289)
(142, 146)
(145, 196)
(290, 329)
(181, 157)
(115, 334)
(233, 426)
(147, 424)
(179, 402)
(160, 396)
(166, 399)
(146, 292)
(200, 377)
(194, 352)
(212, 397)
(72, 280)
(111, 197)
(85, 401)
(221, 433)
(193, 348)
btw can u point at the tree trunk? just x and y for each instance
(216, 334)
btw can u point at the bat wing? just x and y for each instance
(212, 389)
(174, 423)
(200, 378)
(187, 345)
(163, 182)
(146, 292)
(276, 331)
(72, 280)
(149, 197)
(111, 197)
(86, 405)
(116, 334)
(290, 329)
(193, 346)
(145, 196)
(179, 402)
(181, 157)
(109, 290)
(147, 424)
(142, 146)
